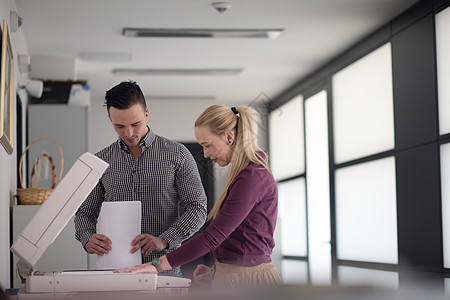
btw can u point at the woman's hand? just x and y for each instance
(203, 275)
(144, 268)
(147, 268)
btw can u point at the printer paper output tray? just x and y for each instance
(94, 281)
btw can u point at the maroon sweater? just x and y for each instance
(242, 231)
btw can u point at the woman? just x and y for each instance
(243, 218)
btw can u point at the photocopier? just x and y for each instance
(46, 225)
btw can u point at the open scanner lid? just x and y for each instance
(56, 211)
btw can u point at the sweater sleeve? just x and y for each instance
(243, 194)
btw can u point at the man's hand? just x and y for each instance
(203, 275)
(98, 244)
(148, 243)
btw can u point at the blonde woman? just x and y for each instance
(240, 234)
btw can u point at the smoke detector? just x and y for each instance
(221, 6)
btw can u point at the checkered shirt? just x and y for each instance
(164, 178)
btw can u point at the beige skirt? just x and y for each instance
(229, 275)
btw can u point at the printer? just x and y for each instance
(46, 225)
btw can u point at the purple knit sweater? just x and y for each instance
(242, 232)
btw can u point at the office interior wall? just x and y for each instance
(175, 119)
(416, 135)
(67, 125)
(100, 131)
(8, 163)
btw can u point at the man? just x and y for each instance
(145, 167)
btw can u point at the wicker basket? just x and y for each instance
(33, 195)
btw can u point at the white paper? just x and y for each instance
(88, 272)
(121, 223)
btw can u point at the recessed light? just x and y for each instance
(202, 33)
(199, 72)
(105, 56)
(180, 97)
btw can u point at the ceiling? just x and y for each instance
(314, 31)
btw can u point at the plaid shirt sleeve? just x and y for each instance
(87, 215)
(192, 201)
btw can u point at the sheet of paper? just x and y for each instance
(87, 272)
(121, 223)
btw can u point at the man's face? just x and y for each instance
(130, 124)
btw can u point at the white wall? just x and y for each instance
(8, 163)
(175, 119)
(100, 130)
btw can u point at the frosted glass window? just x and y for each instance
(287, 154)
(294, 271)
(366, 212)
(445, 186)
(318, 188)
(292, 216)
(363, 109)
(368, 277)
(443, 69)
(447, 286)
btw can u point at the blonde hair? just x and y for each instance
(221, 119)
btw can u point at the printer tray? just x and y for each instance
(97, 281)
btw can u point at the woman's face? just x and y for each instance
(218, 148)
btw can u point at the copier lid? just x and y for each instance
(57, 210)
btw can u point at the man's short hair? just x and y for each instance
(124, 95)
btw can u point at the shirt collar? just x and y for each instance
(145, 142)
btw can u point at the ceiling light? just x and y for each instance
(200, 72)
(180, 97)
(202, 33)
(105, 56)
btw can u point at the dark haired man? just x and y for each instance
(145, 167)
